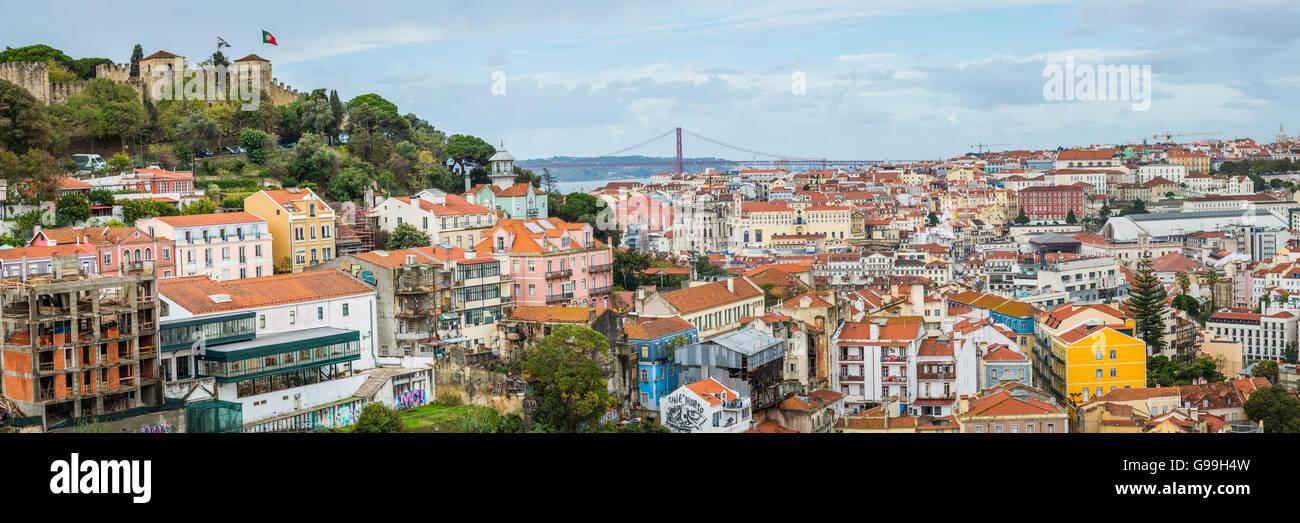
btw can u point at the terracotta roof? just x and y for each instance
(41, 251)
(72, 183)
(194, 293)
(1001, 403)
(549, 314)
(768, 426)
(656, 328)
(94, 235)
(711, 295)
(251, 58)
(221, 218)
(453, 206)
(710, 390)
(160, 54)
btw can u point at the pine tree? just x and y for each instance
(137, 54)
(1147, 300)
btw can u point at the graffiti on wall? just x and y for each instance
(157, 429)
(410, 398)
(685, 413)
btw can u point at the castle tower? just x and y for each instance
(248, 64)
(503, 168)
(162, 63)
(1281, 135)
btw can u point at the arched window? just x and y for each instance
(148, 254)
(126, 256)
(137, 255)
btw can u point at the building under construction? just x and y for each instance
(77, 344)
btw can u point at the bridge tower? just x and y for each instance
(679, 150)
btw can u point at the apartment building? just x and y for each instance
(552, 262)
(222, 246)
(39, 260)
(300, 223)
(877, 360)
(1262, 337)
(120, 249)
(447, 219)
(78, 344)
(1052, 203)
(289, 347)
(713, 308)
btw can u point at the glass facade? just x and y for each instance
(286, 361)
(477, 270)
(181, 335)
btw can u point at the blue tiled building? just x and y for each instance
(656, 373)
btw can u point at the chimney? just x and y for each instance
(918, 297)
(875, 331)
(731, 287)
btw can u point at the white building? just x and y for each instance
(876, 360)
(447, 219)
(706, 406)
(282, 346)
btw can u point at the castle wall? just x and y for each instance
(34, 77)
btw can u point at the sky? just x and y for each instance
(886, 80)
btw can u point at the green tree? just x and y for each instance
(1274, 408)
(120, 162)
(1146, 298)
(1265, 369)
(1187, 304)
(135, 209)
(197, 131)
(1290, 354)
(1021, 219)
(1070, 218)
(932, 219)
(22, 123)
(1105, 210)
(406, 236)
(377, 418)
(72, 209)
(467, 151)
(627, 267)
(254, 141)
(137, 54)
(1211, 277)
(201, 206)
(349, 184)
(567, 384)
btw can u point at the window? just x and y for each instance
(261, 321)
(345, 309)
(1113, 353)
(108, 258)
(293, 317)
(997, 429)
(1029, 428)
(1112, 373)
(1099, 373)
(979, 429)
(320, 313)
(1051, 427)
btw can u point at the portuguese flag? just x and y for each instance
(267, 38)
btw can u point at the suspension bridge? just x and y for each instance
(679, 149)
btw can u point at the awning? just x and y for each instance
(449, 316)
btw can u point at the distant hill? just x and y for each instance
(612, 172)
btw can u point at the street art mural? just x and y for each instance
(157, 429)
(685, 413)
(410, 398)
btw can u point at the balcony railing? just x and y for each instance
(604, 267)
(936, 375)
(559, 297)
(600, 291)
(47, 366)
(894, 379)
(851, 377)
(893, 359)
(148, 351)
(844, 357)
(565, 273)
(126, 382)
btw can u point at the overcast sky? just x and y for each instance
(906, 79)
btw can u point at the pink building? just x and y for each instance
(121, 250)
(552, 262)
(222, 246)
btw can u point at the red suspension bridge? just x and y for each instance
(678, 149)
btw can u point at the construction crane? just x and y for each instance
(979, 147)
(1173, 135)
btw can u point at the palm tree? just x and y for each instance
(1211, 277)
(1184, 281)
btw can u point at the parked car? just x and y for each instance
(203, 153)
(89, 163)
(233, 149)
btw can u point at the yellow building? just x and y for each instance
(1194, 162)
(1090, 360)
(301, 225)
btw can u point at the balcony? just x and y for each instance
(417, 335)
(893, 360)
(900, 378)
(411, 313)
(127, 381)
(148, 351)
(936, 375)
(601, 291)
(604, 267)
(555, 298)
(564, 273)
(845, 357)
(852, 377)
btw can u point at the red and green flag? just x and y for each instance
(267, 38)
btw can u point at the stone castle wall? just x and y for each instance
(34, 77)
